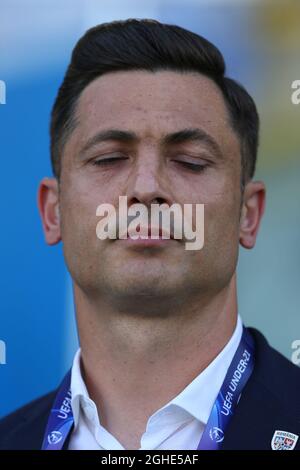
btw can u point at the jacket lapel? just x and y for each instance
(263, 409)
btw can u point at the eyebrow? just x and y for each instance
(174, 138)
(193, 135)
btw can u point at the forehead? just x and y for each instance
(153, 104)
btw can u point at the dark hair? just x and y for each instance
(150, 45)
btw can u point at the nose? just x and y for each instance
(148, 184)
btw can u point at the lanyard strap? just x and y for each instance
(228, 397)
(61, 417)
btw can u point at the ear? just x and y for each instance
(252, 212)
(48, 203)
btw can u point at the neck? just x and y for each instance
(134, 365)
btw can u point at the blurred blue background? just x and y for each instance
(260, 43)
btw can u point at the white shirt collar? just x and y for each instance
(196, 400)
(199, 396)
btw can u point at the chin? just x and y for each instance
(153, 289)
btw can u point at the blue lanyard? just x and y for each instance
(228, 397)
(61, 417)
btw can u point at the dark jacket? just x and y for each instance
(269, 402)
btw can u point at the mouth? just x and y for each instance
(149, 236)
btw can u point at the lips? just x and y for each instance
(153, 232)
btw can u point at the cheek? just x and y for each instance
(78, 217)
(222, 226)
(81, 196)
(79, 237)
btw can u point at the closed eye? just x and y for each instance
(108, 160)
(195, 167)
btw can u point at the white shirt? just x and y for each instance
(178, 425)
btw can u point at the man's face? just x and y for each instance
(189, 171)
